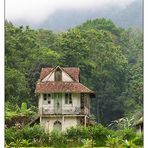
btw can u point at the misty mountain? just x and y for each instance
(131, 16)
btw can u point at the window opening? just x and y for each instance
(58, 75)
(68, 98)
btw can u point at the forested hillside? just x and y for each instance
(110, 59)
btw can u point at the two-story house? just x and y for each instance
(62, 100)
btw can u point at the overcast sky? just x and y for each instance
(36, 11)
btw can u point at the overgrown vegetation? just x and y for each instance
(14, 111)
(74, 137)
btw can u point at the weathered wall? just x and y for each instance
(65, 77)
(65, 107)
(66, 122)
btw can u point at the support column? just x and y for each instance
(85, 121)
(40, 119)
(63, 123)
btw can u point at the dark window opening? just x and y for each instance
(45, 97)
(82, 101)
(58, 75)
(68, 98)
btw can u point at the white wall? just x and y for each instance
(65, 77)
(49, 77)
(68, 122)
(65, 107)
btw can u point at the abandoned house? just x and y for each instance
(63, 101)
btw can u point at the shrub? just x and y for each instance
(96, 133)
(12, 134)
(26, 133)
(16, 143)
(138, 140)
(88, 143)
(73, 137)
(57, 139)
(128, 144)
(77, 135)
(99, 134)
(16, 111)
(113, 142)
(20, 143)
(35, 132)
(126, 134)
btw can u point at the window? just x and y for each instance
(58, 75)
(68, 98)
(47, 98)
(82, 101)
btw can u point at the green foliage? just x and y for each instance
(9, 111)
(98, 133)
(16, 111)
(25, 55)
(138, 140)
(23, 107)
(77, 135)
(122, 123)
(110, 59)
(126, 134)
(26, 135)
(16, 85)
(129, 144)
(74, 137)
(101, 24)
(20, 143)
(57, 139)
(113, 142)
(24, 110)
(88, 143)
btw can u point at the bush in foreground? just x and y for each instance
(74, 137)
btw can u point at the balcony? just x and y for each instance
(73, 110)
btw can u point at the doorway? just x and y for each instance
(58, 103)
(57, 125)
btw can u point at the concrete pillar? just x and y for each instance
(85, 121)
(63, 123)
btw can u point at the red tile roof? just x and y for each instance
(45, 72)
(54, 87)
(74, 72)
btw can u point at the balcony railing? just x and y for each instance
(73, 110)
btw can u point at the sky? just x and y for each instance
(37, 11)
